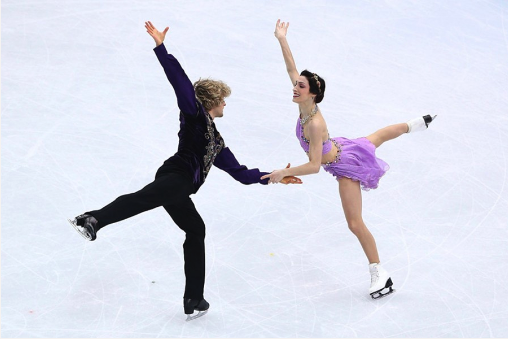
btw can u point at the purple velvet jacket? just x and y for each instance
(201, 145)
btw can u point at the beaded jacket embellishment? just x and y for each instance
(215, 145)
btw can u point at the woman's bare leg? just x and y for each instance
(351, 197)
(387, 133)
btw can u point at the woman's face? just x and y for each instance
(301, 90)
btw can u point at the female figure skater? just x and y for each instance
(352, 162)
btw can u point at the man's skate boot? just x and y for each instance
(419, 124)
(86, 225)
(380, 282)
(191, 305)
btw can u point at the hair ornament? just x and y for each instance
(317, 81)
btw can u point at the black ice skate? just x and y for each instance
(86, 225)
(191, 305)
(420, 123)
(380, 282)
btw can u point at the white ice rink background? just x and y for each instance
(88, 115)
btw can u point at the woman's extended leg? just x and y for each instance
(351, 197)
(387, 133)
(395, 131)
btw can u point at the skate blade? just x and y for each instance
(192, 317)
(381, 294)
(77, 229)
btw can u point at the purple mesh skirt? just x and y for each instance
(358, 162)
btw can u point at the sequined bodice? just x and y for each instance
(304, 142)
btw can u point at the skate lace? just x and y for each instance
(374, 276)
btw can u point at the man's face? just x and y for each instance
(218, 111)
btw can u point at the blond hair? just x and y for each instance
(211, 93)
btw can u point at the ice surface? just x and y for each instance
(88, 115)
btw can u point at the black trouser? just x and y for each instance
(170, 190)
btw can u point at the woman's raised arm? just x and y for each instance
(281, 29)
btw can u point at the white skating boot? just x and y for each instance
(380, 282)
(420, 124)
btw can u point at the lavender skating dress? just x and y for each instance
(356, 159)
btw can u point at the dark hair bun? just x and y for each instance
(317, 85)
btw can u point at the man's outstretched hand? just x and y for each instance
(291, 180)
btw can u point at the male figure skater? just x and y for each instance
(200, 147)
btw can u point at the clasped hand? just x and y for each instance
(280, 176)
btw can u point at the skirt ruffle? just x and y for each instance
(358, 162)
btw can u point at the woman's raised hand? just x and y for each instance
(155, 34)
(281, 29)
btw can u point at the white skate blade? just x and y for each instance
(192, 317)
(382, 293)
(77, 229)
